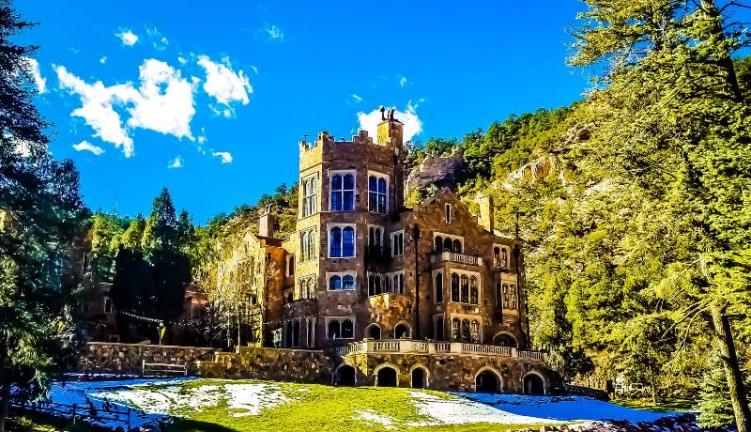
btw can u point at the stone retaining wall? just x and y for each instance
(121, 358)
(308, 366)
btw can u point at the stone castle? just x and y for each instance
(429, 296)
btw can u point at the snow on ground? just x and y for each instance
(374, 417)
(250, 398)
(155, 399)
(564, 408)
(459, 410)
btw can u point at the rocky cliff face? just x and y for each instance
(436, 170)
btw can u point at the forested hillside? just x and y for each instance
(634, 205)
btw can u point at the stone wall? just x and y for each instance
(308, 366)
(120, 358)
(452, 372)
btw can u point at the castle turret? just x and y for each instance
(391, 135)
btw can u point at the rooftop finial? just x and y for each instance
(383, 113)
(391, 114)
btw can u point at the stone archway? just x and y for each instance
(402, 330)
(345, 375)
(505, 339)
(533, 384)
(419, 377)
(373, 332)
(386, 375)
(488, 380)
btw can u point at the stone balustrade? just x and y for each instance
(448, 256)
(409, 346)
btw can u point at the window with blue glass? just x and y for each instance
(377, 194)
(341, 242)
(342, 192)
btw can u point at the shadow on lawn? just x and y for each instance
(185, 425)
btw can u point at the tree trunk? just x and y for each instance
(733, 373)
(725, 60)
(4, 402)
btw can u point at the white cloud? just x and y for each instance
(356, 98)
(403, 81)
(103, 60)
(87, 146)
(273, 32)
(175, 163)
(97, 107)
(162, 103)
(182, 60)
(36, 75)
(412, 123)
(224, 84)
(158, 41)
(226, 157)
(127, 37)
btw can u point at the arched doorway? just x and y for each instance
(402, 331)
(505, 339)
(419, 377)
(386, 376)
(345, 375)
(533, 384)
(487, 381)
(373, 332)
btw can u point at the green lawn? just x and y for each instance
(674, 405)
(319, 407)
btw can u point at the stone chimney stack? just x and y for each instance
(266, 223)
(487, 214)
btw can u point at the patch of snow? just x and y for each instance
(564, 408)
(373, 417)
(253, 397)
(458, 410)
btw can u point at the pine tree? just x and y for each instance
(42, 218)
(715, 409)
(678, 128)
(161, 230)
(131, 238)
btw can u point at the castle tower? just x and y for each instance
(391, 135)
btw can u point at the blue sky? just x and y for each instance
(210, 98)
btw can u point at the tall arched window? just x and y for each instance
(311, 288)
(512, 296)
(438, 244)
(335, 330)
(496, 256)
(377, 191)
(347, 329)
(455, 335)
(504, 258)
(309, 193)
(466, 335)
(396, 284)
(439, 288)
(348, 240)
(335, 242)
(342, 192)
(348, 282)
(457, 246)
(307, 245)
(291, 266)
(335, 283)
(465, 289)
(506, 302)
(473, 291)
(447, 244)
(455, 287)
(475, 330)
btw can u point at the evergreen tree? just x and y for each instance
(161, 230)
(131, 238)
(678, 128)
(42, 215)
(715, 409)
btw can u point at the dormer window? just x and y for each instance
(447, 213)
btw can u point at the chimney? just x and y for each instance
(487, 216)
(266, 223)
